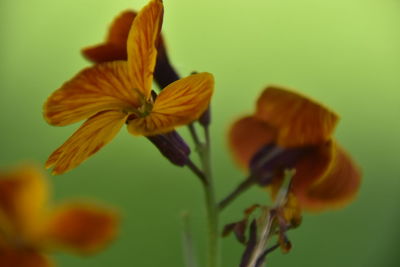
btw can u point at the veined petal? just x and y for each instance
(142, 52)
(102, 87)
(22, 258)
(247, 136)
(115, 46)
(23, 199)
(180, 103)
(299, 120)
(87, 140)
(81, 227)
(335, 188)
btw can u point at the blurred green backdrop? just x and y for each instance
(345, 53)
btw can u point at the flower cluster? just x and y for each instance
(286, 146)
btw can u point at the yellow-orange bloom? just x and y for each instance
(325, 175)
(111, 94)
(30, 227)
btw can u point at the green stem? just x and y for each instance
(242, 187)
(211, 205)
(203, 149)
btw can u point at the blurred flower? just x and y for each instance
(114, 47)
(113, 93)
(30, 227)
(291, 131)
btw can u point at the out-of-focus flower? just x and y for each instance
(114, 47)
(30, 227)
(291, 131)
(113, 93)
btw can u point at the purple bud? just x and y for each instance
(271, 160)
(172, 146)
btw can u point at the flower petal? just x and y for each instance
(142, 52)
(23, 199)
(179, 103)
(87, 140)
(335, 188)
(83, 228)
(22, 258)
(247, 136)
(115, 46)
(299, 120)
(105, 53)
(101, 87)
(325, 178)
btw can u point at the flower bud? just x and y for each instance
(172, 146)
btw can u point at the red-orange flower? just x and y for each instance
(289, 130)
(30, 227)
(113, 93)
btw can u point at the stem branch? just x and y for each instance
(242, 187)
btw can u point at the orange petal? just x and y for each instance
(98, 88)
(334, 188)
(180, 103)
(142, 50)
(115, 46)
(22, 258)
(300, 121)
(87, 140)
(247, 136)
(23, 198)
(105, 53)
(81, 227)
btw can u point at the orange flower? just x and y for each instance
(30, 227)
(289, 130)
(111, 94)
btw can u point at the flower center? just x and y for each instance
(145, 108)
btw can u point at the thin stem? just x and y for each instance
(200, 174)
(242, 187)
(187, 241)
(211, 205)
(195, 136)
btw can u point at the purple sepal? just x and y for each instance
(271, 160)
(172, 146)
(205, 118)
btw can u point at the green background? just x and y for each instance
(345, 53)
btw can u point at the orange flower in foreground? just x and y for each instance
(30, 227)
(111, 94)
(291, 131)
